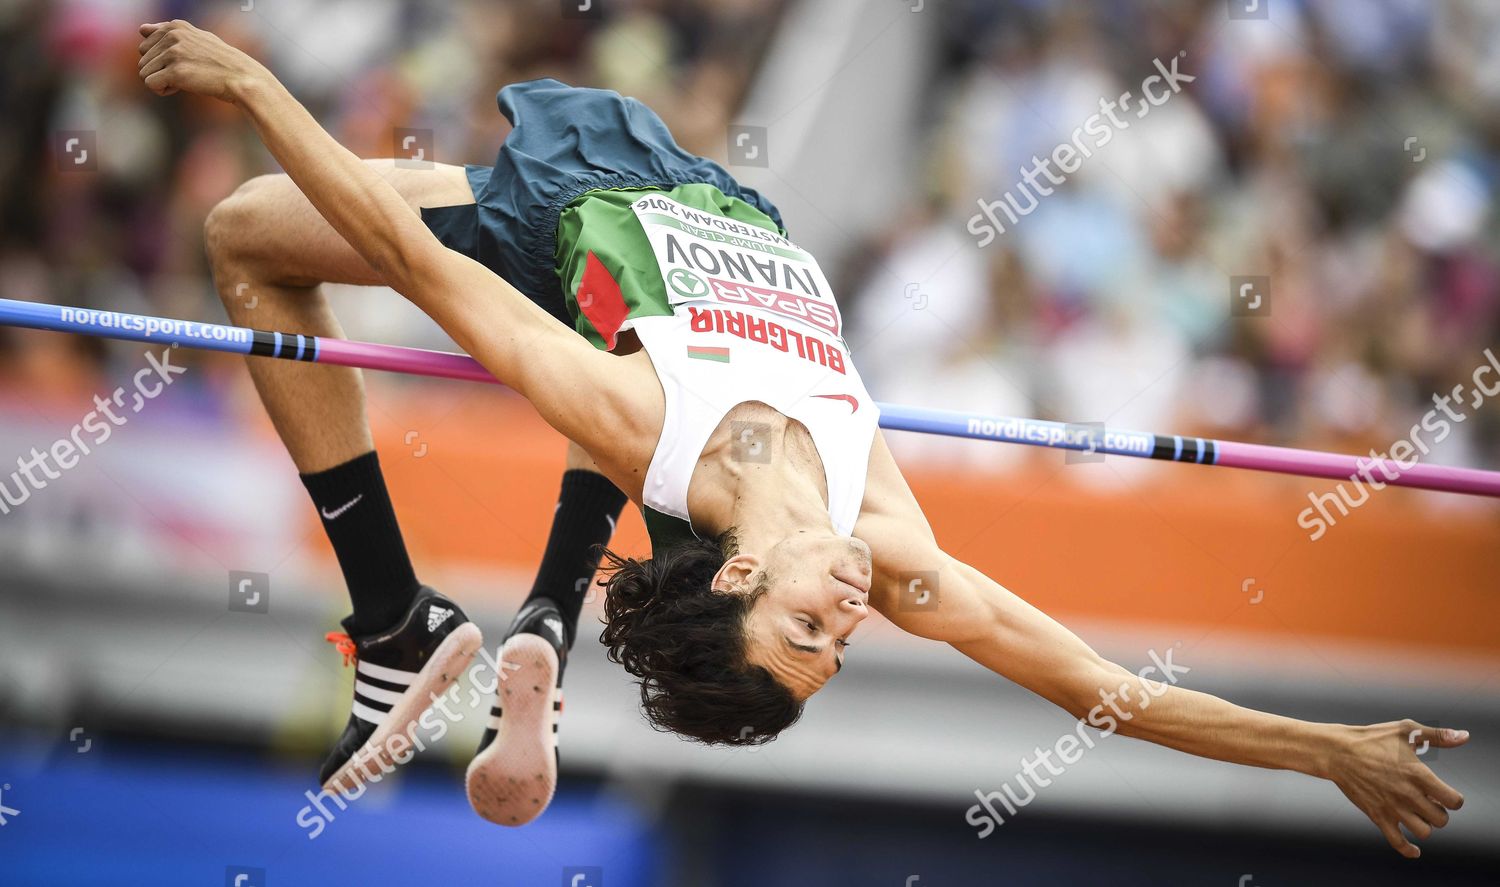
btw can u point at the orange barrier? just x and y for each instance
(475, 474)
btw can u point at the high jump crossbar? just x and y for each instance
(1082, 437)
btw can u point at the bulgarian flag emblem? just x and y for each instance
(700, 352)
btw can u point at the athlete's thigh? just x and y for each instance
(288, 238)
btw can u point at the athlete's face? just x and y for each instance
(817, 589)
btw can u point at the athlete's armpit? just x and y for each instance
(608, 404)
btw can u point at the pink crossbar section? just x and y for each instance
(1339, 467)
(403, 360)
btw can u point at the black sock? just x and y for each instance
(361, 523)
(587, 509)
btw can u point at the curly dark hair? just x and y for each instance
(686, 643)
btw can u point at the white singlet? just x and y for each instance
(754, 321)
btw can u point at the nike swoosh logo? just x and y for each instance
(334, 514)
(849, 399)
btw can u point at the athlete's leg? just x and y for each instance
(270, 251)
(514, 774)
(588, 506)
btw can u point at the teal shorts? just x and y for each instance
(566, 141)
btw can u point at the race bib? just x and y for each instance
(703, 256)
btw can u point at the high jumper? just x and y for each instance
(655, 313)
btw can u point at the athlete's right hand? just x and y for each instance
(177, 57)
(1378, 769)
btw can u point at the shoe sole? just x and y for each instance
(440, 673)
(511, 782)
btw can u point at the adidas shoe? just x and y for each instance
(398, 673)
(512, 778)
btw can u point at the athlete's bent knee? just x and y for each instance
(218, 230)
(231, 221)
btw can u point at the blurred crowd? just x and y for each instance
(122, 228)
(1344, 149)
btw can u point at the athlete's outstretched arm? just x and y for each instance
(584, 393)
(1375, 766)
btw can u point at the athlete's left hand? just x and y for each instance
(177, 57)
(1378, 769)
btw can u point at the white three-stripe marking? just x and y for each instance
(366, 713)
(390, 697)
(394, 675)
